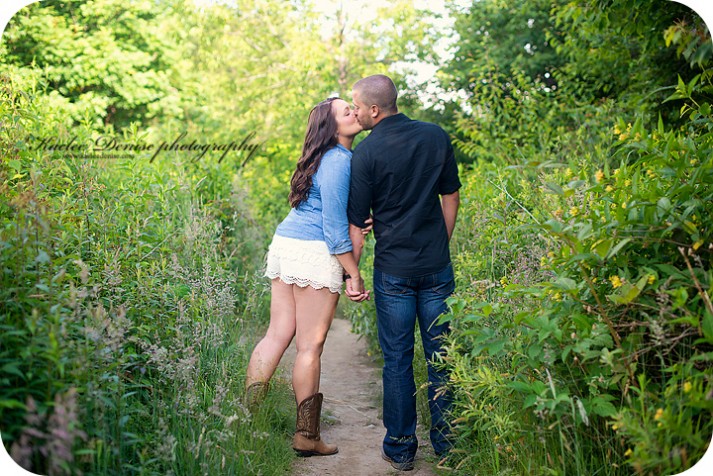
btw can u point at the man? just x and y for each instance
(398, 173)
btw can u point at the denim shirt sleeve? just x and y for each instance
(333, 179)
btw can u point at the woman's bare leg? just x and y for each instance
(269, 350)
(314, 314)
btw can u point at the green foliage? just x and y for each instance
(581, 326)
(123, 327)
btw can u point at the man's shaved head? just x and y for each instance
(377, 90)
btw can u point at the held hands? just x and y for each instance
(355, 289)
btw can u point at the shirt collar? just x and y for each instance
(391, 120)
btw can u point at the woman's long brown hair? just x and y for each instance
(321, 136)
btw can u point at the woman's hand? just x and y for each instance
(369, 225)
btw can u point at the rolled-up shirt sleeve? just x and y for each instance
(360, 189)
(333, 176)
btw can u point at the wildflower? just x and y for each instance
(687, 387)
(609, 188)
(603, 219)
(543, 261)
(504, 281)
(659, 414)
(594, 279)
(623, 136)
(628, 452)
(615, 427)
(616, 281)
(551, 254)
(650, 173)
(617, 130)
(599, 176)
(568, 172)
(574, 211)
(651, 279)
(616, 172)
(623, 204)
(558, 213)
(637, 136)
(613, 206)
(694, 162)
(557, 297)
(627, 182)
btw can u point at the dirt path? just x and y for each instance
(351, 385)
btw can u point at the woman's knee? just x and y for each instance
(312, 347)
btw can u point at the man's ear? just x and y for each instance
(374, 111)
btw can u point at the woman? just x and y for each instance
(309, 258)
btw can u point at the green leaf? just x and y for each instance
(602, 407)
(555, 188)
(42, 257)
(10, 403)
(617, 247)
(627, 293)
(707, 326)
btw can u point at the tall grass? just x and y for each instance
(130, 297)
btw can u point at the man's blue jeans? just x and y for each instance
(399, 302)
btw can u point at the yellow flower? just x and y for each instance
(628, 452)
(557, 297)
(604, 219)
(599, 176)
(543, 261)
(627, 182)
(609, 188)
(613, 206)
(615, 427)
(694, 162)
(594, 279)
(558, 213)
(617, 130)
(504, 281)
(551, 254)
(659, 414)
(687, 387)
(651, 174)
(623, 204)
(637, 136)
(568, 172)
(616, 281)
(622, 137)
(616, 172)
(697, 245)
(574, 211)
(651, 279)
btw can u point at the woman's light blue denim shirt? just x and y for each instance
(323, 216)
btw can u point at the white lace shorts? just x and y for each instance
(304, 263)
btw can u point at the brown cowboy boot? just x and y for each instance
(255, 394)
(307, 441)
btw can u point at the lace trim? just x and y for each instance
(304, 263)
(303, 283)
